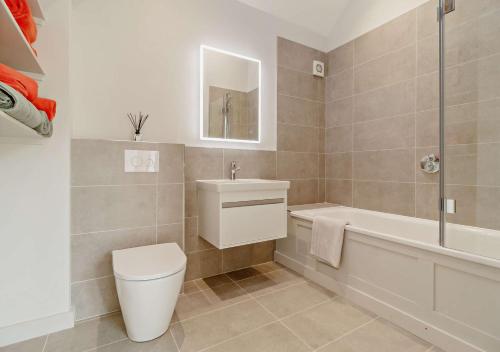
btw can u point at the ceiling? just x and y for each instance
(318, 16)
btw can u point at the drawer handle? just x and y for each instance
(251, 203)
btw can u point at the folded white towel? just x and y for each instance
(327, 239)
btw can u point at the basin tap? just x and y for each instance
(234, 169)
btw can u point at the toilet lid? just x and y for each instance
(148, 262)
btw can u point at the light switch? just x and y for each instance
(142, 160)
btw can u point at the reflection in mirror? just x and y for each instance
(230, 96)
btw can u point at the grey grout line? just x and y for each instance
(173, 338)
(301, 98)
(105, 345)
(93, 279)
(346, 334)
(45, 343)
(413, 43)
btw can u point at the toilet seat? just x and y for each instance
(148, 262)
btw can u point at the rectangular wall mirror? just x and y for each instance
(230, 96)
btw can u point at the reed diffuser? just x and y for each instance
(137, 122)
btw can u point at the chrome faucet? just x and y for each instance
(234, 168)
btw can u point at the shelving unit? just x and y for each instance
(15, 50)
(37, 12)
(12, 130)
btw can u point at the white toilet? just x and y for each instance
(148, 281)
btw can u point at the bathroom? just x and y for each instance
(307, 176)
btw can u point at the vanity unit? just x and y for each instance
(237, 212)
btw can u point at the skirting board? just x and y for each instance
(421, 329)
(35, 328)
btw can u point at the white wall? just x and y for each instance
(361, 16)
(131, 55)
(34, 199)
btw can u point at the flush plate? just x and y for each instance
(142, 160)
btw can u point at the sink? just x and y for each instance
(243, 211)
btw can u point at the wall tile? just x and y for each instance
(298, 138)
(390, 197)
(244, 256)
(253, 163)
(321, 190)
(374, 105)
(297, 111)
(428, 92)
(91, 253)
(392, 133)
(172, 233)
(338, 139)
(389, 69)
(191, 226)
(196, 244)
(427, 128)
(428, 55)
(191, 199)
(427, 23)
(389, 37)
(339, 192)
(111, 207)
(170, 204)
(427, 201)
(203, 264)
(339, 112)
(341, 58)
(387, 165)
(203, 163)
(293, 165)
(339, 86)
(171, 163)
(94, 297)
(296, 56)
(339, 165)
(300, 84)
(303, 192)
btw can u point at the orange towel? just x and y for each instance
(22, 14)
(23, 84)
(47, 105)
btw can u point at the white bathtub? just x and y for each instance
(394, 266)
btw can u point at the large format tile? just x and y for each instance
(33, 345)
(378, 336)
(389, 197)
(296, 56)
(111, 208)
(341, 58)
(94, 297)
(91, 253)
(164, 343)
(300, 84)
(244, 256)
(172, 233)
(257, 283)
(298, 138)
(338, 139)
(203, 264)
(340, 85)
(252, 163)
(297, 111)
(339, 192)
(392, 133)
(211, 328)
(303, 192)
(88, 334)
(338, 166)
(170, 203)
(381, 165)
(202, 163)
(339, 112)
(294, 165)
(326, 322)
(171, 163)
(270, 338)
(295, 298)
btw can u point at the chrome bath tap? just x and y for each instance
(234, 169)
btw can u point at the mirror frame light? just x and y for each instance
(203, 138)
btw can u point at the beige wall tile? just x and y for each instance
(339, 86)
(296, 56)
(392, 133)
(299, 111)
(390, 197)
(298, 138)
(389, 69)
(303, 192)
(339, 139)
(389, 37)
(171, 163)
(253, 163)
(428, 55)
(339, 165)
(202, 163)
(427, 128)
(170, 204)
(300, 84)
(428, 92)
(427, 201)
(387, 165)
(339, 192)
(373, 105)
(341, 58)
(426, 19)
(111, 207)
(94, 297)
(321, 190)
(339, 112)
(191, 226)
(293, 165)
(191, 199)
(196, 243)
(91, 253)
(203, 264)
(172, 233)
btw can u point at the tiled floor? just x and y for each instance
(263, 308)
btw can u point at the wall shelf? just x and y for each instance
(15, 50)
(13, 131)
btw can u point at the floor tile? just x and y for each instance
(190, 287)
(378, 336)
(295, 298)
(214, 327)
(213, 281)
(271, 281)
(164, 343)
(243, 274)
(270, 338)
(204, 301)
(88, 334)
(33, 345)
(326, 322)
(268, 267)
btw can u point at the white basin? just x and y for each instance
(243, 211)
(244, 184)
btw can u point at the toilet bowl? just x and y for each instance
(148, 281)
